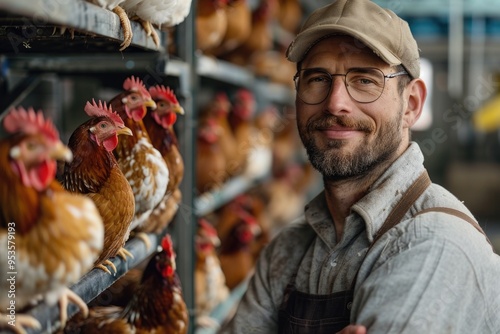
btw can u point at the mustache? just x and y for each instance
(328, 121)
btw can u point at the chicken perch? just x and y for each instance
(55, 235)
(95, 173)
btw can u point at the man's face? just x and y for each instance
(345, 138)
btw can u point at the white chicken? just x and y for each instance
(159, 13)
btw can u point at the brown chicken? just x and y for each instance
(210, 23)
(211, 166)
(209, 280)
(95, 173)
(287, 193)
(50, 236)
(237, 229)
(241, 123)
(141, 163)
(255, 202)
(290, 15)
(160, 126)
(219, 109)
(261, 36)
(239, 27)
(157, 305)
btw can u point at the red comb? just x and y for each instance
(166, 244)
(204, 224)
(29, 122)
(98, 110)
(160, 92)
(244, 94)
(135, 85)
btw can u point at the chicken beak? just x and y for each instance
(150, 104)
(179, 109)
(61, 152)
(124, 131)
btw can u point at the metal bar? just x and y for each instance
(184, 225)
(19, 93)
(456, 48)
(87, 63)
(216, 198)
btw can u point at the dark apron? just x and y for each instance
(303, 313)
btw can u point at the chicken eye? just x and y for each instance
(103, 125)
(161, 104)
(31, 146)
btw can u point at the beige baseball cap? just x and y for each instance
(380, 29)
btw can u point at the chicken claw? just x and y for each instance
(22, 320)
(69, 295)
(144, 237)
(150, 31)
(127, 28)
(123, 253)
(104, 268)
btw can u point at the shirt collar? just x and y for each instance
(388, 189)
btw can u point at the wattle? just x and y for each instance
(41, 176)
(138, 114)
(168, 119)
(110, 143)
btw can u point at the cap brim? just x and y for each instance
(306, 40)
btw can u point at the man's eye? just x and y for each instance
(318, 79)
(365, 81)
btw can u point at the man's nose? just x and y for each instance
(338, 91)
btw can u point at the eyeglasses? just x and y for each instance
(364, 85)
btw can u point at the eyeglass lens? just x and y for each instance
(364, 85)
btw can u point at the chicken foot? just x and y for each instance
(126, 26)
(69, 295)
(22, 321)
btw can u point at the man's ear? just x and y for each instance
(416, 92)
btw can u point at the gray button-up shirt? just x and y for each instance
(433, 273)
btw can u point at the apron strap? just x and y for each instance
(459, 214)
(404, 204)
(395, 216)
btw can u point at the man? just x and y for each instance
(382, 249)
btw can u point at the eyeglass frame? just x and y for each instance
(332, 75)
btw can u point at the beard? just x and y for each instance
(334, 164)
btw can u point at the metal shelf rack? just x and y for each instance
(33, 47)
(30, 26)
